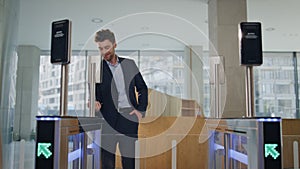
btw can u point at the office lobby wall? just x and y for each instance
(9, 17)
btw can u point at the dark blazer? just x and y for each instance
(107, 95)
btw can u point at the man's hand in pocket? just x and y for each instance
(97, 106)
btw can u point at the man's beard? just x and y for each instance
(110, 57)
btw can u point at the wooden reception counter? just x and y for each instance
(156, 137)
(290, 136)
(170, 118)
(191, 153)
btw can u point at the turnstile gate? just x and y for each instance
(67, 142)
(246, 143)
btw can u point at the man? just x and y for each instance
(116, 100)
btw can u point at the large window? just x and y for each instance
(162, 71)
(49, 89)
(275, 85)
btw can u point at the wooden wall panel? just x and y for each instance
(291, 127)
(190, 153)
(290, 133)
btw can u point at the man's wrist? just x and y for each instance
(143, 113)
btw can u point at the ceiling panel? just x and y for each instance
(172, 18)
(168, 24)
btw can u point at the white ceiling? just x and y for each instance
(144, 24)
(283, 15)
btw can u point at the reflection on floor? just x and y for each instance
(29, 150)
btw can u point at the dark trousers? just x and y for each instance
(124, 135)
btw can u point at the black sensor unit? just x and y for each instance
(250, 44)
(61, 42)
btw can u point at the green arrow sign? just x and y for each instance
(270, 150)
(43, 149)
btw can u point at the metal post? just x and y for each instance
(64, 90)
(216, 65)
(212, 152)
(91, 76)
(217, 91)
(249, 92)
(139, 59)
(226, 149)
(174, 155)
(97, 148)
(76, 140)
(83, 150)
(295, 154)
(296, 84)
(137, 154)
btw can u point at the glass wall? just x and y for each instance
(276, 81)
(275, 85)
(49, 89)
(161, 70)
(9, 23)
(275, 93)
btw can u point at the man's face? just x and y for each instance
(107, 49)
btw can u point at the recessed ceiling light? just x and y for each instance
(270, 29)
(145, 28)
(97, 20)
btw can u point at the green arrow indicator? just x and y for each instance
(43, 149)
(270, 150)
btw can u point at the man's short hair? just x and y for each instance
(105, 34)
